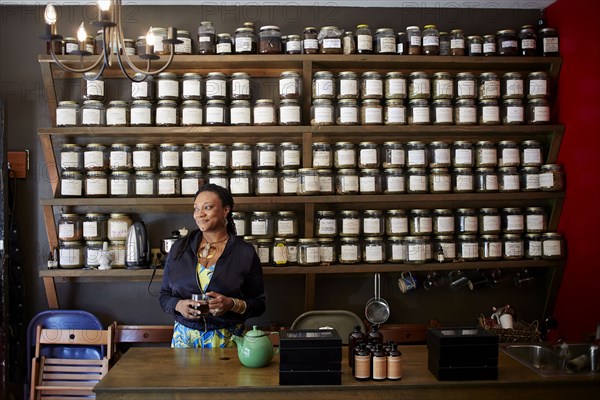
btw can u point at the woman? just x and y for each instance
(212, 260)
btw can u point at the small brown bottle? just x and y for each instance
(356, 336)
(362, 363)
(374, 335)
(394, 363)
(379, 361)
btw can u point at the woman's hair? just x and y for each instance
(226, 201)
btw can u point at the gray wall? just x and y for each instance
(22, 89)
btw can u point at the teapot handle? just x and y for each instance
(277, 349)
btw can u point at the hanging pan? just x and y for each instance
(377, 309)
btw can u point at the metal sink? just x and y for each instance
(543, 358)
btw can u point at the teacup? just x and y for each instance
(459, 280)
(406, 282)
(202, 299)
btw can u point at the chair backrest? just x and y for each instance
(70, 337)
(143, 333)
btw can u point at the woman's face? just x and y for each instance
(209, 212)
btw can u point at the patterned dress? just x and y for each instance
(184, 337)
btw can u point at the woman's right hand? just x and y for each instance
(185, 307)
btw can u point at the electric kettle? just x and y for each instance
(137, 253)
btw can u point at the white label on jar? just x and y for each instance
(532, 181)
(169, 159)
(263, 254)
(415, 40)
(470, 224)
(491, 88)
(70, 257)
(158, 43)
(66, 231)
(546, 180)
(166, 186)
(348, 115)
(541, 114)
(476, 48)
(441, 184)
(240, 115)
(431, 40)
(66, 117)
(96, 186)
(464, 182)
(71, 47)
(513, 249)
(332, 44)
(532, 156)
(167, 87)
(191, 87)
(490, 114)
(465, 88)
(509, 44)
(449, 250)
(514, 87)
(71, 187)
(368, 156)
(313, 183)
(312, 255)
(321, 158)
(243, 44)
(216, 88)
(444, 87)
(90, 229)
(144, 187)
(535, 248)
(289, 114)
(443, 115)
(267, 185)
(118, 257)
(116, 116)
(326, 226)
(214, 115)
(141, 116)
(267, 158)
(191, 116)
(493, 249)
(324, 87)
(445, 224)
(90, 117)
(239, 185)
(290, 158)
(190, 186)
(185, 47)
(372, 225)
(441, 156)
(290, 185)
(373, 115)
(166, 115)
(348, 87)
(463, 156)
(139, 90)
(349, 183)
(93, 159)
(350, 226)
(538, 87)
(467, 114)
(528, 43)
(364, 42)
(397, 157)
(346, 157)
(241, 158)
(326, 253)
(514, 114)
(367, 184)
(400, 48)
(514, 222)
(69, 159)
(534, 222)
(259, 227)
(119, 187)
(240, 87)
(223, 48)
(398, 225)
(491, 182)
(490, 223)
(285, 227)
(280, 253)
(141, 159)
(240, 227)
(417, 183)
(421, 86)
(311, 44)
(395, 184)
(348, 252)
(415, 252)
(420, 115)
(551, 248)
(191, 159)
(287, 86)
(118, 229)
(510, 156)
(550, 45)
(373, 253)
(469, 250)
(457, 43)
(396, 87)
(489, 48)
(416, 157)
(511, 182)
(264, 115)
(218, 181)
(488, 156)
(373, 87)
(293, 45)
(95, 88)
(323, 114)
(396, 115)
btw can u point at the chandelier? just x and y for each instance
(110, 22)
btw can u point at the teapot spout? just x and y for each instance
(239, 341)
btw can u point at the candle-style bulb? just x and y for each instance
(104, 5)
(150, 39)
(81, 33)
(50, 14)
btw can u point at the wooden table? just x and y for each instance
(164, 373)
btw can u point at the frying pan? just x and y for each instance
(377, 309)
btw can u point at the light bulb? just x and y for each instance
(50, 14)
(81, 33)
(150, 39)
(104, 5)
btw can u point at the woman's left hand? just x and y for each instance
(219, 304)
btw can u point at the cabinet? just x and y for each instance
(270, 67)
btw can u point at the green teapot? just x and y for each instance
(255, 350)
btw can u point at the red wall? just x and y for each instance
(578, 306)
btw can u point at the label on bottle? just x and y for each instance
(489, 48)
(510, 156)
(469, 224)
(90, 116)
(326, 254)
(96, 186)
(324, 87)
(550, 45)
(168, 88)
(169, 159)
(348, 87)
(243, 44)
(532, 156)
(144, 187)
(189, 186)
(223, 48)
(420, 115)
(534, 222)
(191, 87)
(493, 249)
(457, 43)
(490, 114)
(538, 87)
(511, 182)
(362, 367)
(69, 159)
(118, 187)
(448, 250)
(475, 48)
(532, 182)
(379, 368)
(66, 231)
(400, 48)
(166, 115)
(416, 157)
(491, 223)
(217, 159)
(534, 248)
(327, 226)
(415, 252)
(325, 184)
(513, 249)
(444, 87)
(514, 87)
(445, 224)
(280, 253)
(350, 226)
(290, 185)
(66, 117)
(266, 185)
(506, 44)
(441, 156)
(95, 88)
(373, 253)
(348, 115)
(185, 47)
(398, 225)
(372, 225)
(421, 87)
(287, 86)
(263, 254)
(546, 180)
(397, 157)
(293, 46)
(396, 115)
(463, 156)
(264, 115)
(465, 88)
(443, 115)
(398, 252)
(321, 159)
(166, 186)
(514, 223)
(491, 89)
(332, 43)
(396, 87)
(241, 158)
(291, 158)
(90, 229)
(395, 184)
(417, 183)
(441, 183)
(140, 116)
(285, 227)
(92, 256)
(514, 114)
(367, 184)
(191, 116)
(551, 248)
(323, 114)
(311, 44)
(239, 185)
(266, 158)
(541, 114)
(215, 88)
(240, 115)
(116, 116)
(346, 157)
(464, 182)
(373, 87)
(469, 250)
(364, 42)
(431, 40)
(141, 159)
(240, 87)
(93, 159)
(217, 180)
(415, 40)
(259, 227)
(528, 44)
(394, 367)
(139, 90)
(70, 257)
(215, 115)
(368, 156)
(373, 115)
(348, 252)
(312, 255)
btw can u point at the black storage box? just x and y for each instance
(462, 353)
(310, 357)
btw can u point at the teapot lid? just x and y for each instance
(255, 332)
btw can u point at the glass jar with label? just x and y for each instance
(489, 86)
(489, 112)
(442, 86)
(326, 181)
(444, 248)
(346, 112)
(323, 85)
(142, 88)
(330, 40)
(513, 220)
(241, 183)
(394, 112)
(508, 179)
(145, 157)
(485, 154)
(349, 250)
(513, 247)
(322, 155)
(474, 45)
(215, 112)
(240, 86)
(417, 180)
(95, 157)
(325, 224)
(468, 248)
(241, 156)
(420, 222)
(368, 155)
(416, 154)
(457, 42)
(507, 43)
(419, 86)
(371, 112)
(70, 46)
(462, 154)
(527, 41)
(117, 113)
(530, 179)
(489, 45)
(218, 177)
(327, 251)
(293, 45)
(396, 223)
(93, 113)
(373, 250)
(71, 254)
(443, 221)
(206, 38)
(513, 112)
(393, 155)
(553, 246)
(184, 48)
(169, 184)
(288, 182)
(95, 226)
(393, 181)
(512, 85)
(309, 41)
(508, 154)
(538, 112)
(395, 86)
(531, 153)
(442, 112)
(439, 154)
(370, 181)
(216, 86)
(308, 252)
(240, 113)
(466, 221)
(145, 184)
(265, 155)
(269, 40)
(344, 155)
(347, 85)
(291, 245)
(286, 224)
(349, 223)
(418, 112)
(548, 42)
(167, 113)
(533, 246)
(371, 86)
(70, 227)
(364, 40)
(537, 85)
(308, 182)
(440, 180)
(167, 86)
(290, 85)
(486, 180)
(385, 41)
(118, 224)
(96, 184)
(280, 252)
(466, 86)
(463, 180)
(71, 157)
(347, 181)
(413, 36)
(118, 250)
(490, 247)
(489, 221)
(67, 113)
(373, 223)
(535, 220)
(416, 249)
(289, 155)
(264, 112)
(191, 113)
(551, 178)
(169, 157)
(240, 220)
(191, 86)
(262, 224)
(266, 182)
(321, 113)
(142, 113)
(71, 184)
(431, 41)
(92, 86)
(191, 181)
(264, 249)
(244, 41)
(224, 44)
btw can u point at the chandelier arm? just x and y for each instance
(74, 70)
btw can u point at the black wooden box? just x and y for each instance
(462, 353)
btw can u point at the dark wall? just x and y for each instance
(22, 89)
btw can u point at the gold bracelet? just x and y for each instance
(239, 306)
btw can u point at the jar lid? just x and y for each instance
(117, 243)
(144, 173)
(223, 35)
(349, 212)
(240, 75)
(547, 30)
(392, 143)
(92, 145)
(195, 103)
(530, 142)
(142, 103)
(242, 172)
(535, 209)
(71, 243)
(96, 103)
(168, 145)
(419, 74)
(142, 37)
(552, 167)
(430, 26)
(265, 144)
(128, 40)
(465, 75)
(329, 28)
(439, 143)
(117, 103)
(245, 103)
(73, 173)
(537, 74)
(216, 74)
(371, 102)
(94, 242)
(216, 171)
(373, 239)
(346, 239)
(490, 237)
(512, 210)
(508, 169)
(159, 29)
(346, 171)
(324, 171)
(507, 143)
(67, 103)
(211, 145)
(513, 236)
(506, 31)
(533, 236)
(263, 101)
(439, 170)
(412, 28)
(95, 215)
(323, 74)
(69, 215)
(70, 39)
(118, 215)
(169, 173)
(512, 75)
(374, 74)
(414, 238)
(310, 28)
(362, 26)
(240, 144)
(307, 241)
(394, 74)
(344, 144)
(116, 145)
(192, 75)
(286, 213)
(367, 144)
(244, 30)
(264, 241)
(548, 235)
(327, 213)
(488, 75)
(513, 102)
(167, 75)
(293, 37)
(488, 210)
(488, 102)
(469, 211)
(325, 240)
(384, 30)
(287, 73)
(442, 211)
(473, 37)
(378, 212)
(396, 212)
(215, 102)
(456, 31)
(443, 237)
(70, 146)
(307, 170)
(288, 102)
(291, 240)
(469, 237)
(144, 146)
(439, 75)
(269, 27)
(416, 143)
(120, 173)
(462, 143)
(292, 144)
(261, 213)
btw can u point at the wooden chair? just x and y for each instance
(127, 336)
(72, 378)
